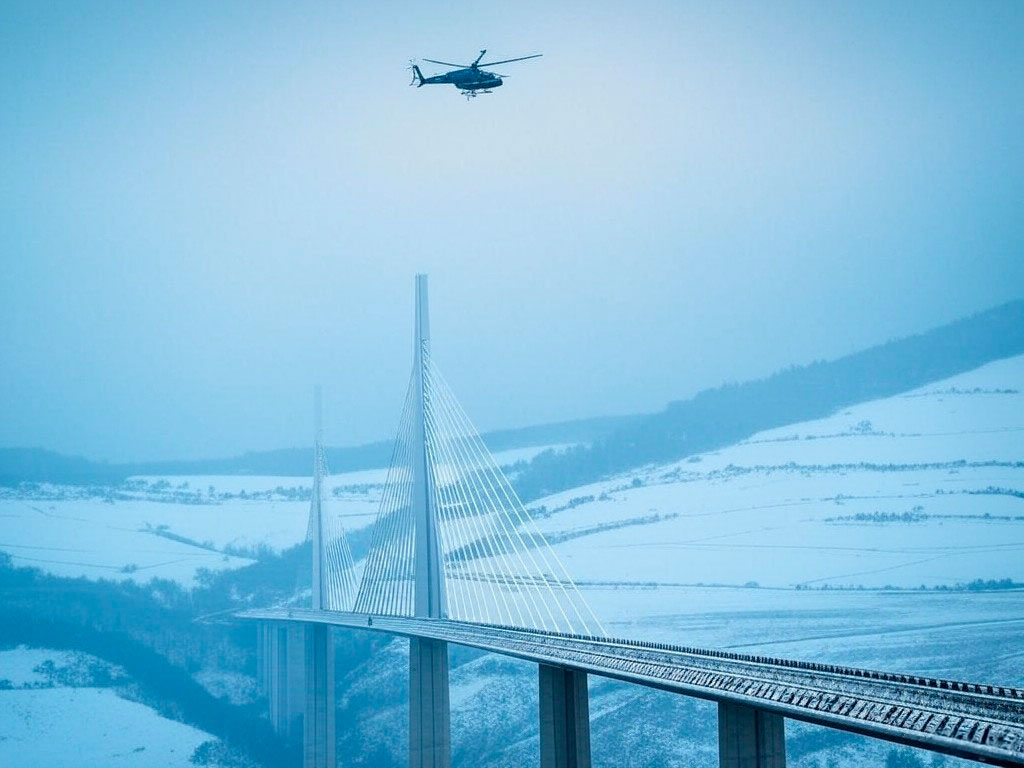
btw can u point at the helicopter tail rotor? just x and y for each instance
(417, 76)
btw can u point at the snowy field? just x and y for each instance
(51, 714)
(814, 541)
(169, 527)
(920, 489)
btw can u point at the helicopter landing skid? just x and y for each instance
(473, 94)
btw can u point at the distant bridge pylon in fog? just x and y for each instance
(334, 571)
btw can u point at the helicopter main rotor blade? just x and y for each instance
(448, 63)
(506, 61)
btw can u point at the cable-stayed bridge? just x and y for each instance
(493, 565)
(456, 558)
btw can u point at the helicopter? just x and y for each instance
(468, 78)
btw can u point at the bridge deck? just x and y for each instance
(974, 721)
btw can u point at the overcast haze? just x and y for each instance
(204, 210)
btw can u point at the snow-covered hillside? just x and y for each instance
(923, 488)
(52, 713)
(848, 538)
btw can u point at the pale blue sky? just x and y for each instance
(207, 208)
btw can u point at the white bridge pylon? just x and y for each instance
(334, 569)
(452, 538)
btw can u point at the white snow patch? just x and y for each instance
(18, 665)
(89, 728)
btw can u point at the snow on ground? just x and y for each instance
(919, 489)
(506, 459)
(169, 527)
(814, 540)
(87, 727)
(341, 484)
(23, 667)
(51, 716)
(963, 635)
(99, 539)
(234, 686)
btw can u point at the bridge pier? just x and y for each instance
(296, 668)
(282, 679)
(564, 718)
(318, 732)
(749, 737)
(429, 712)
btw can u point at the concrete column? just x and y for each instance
(749, 737)
(429, 714)
(276, 675)
(298, 677)
(294, 679)
(284, 679)
(564, 718)
(261, 657)
(318, 740)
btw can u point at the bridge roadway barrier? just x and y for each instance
(970, 720)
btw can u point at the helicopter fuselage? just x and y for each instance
(468, 79)
(471, 79)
